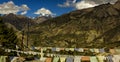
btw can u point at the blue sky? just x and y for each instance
(34, 5)
(34, 8)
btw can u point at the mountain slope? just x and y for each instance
(8, 38)
(17, 21)
(41, 19)
(81, 28)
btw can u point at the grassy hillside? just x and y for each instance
(92, 27)
(8, 38)
(18, 21)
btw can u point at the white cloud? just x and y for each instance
(10, 7)
(101, 1)
(84, 4)
(24, 7)
(68, 3)
(74, 1)
(81, 4)
(24, 12)
(44, 12)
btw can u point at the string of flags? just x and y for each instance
(98, 58)
(96, 50)
(47, 57)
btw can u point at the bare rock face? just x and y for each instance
(93, 27)
(89, 27)
(117, 5)
(41, 19)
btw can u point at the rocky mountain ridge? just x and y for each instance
(92, 27)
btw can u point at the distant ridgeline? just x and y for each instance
(8, 39)
(92, 27)
(95, 27)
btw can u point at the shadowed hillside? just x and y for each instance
(89, 27)
(18, 21)
(93, 27)
(8, 38)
